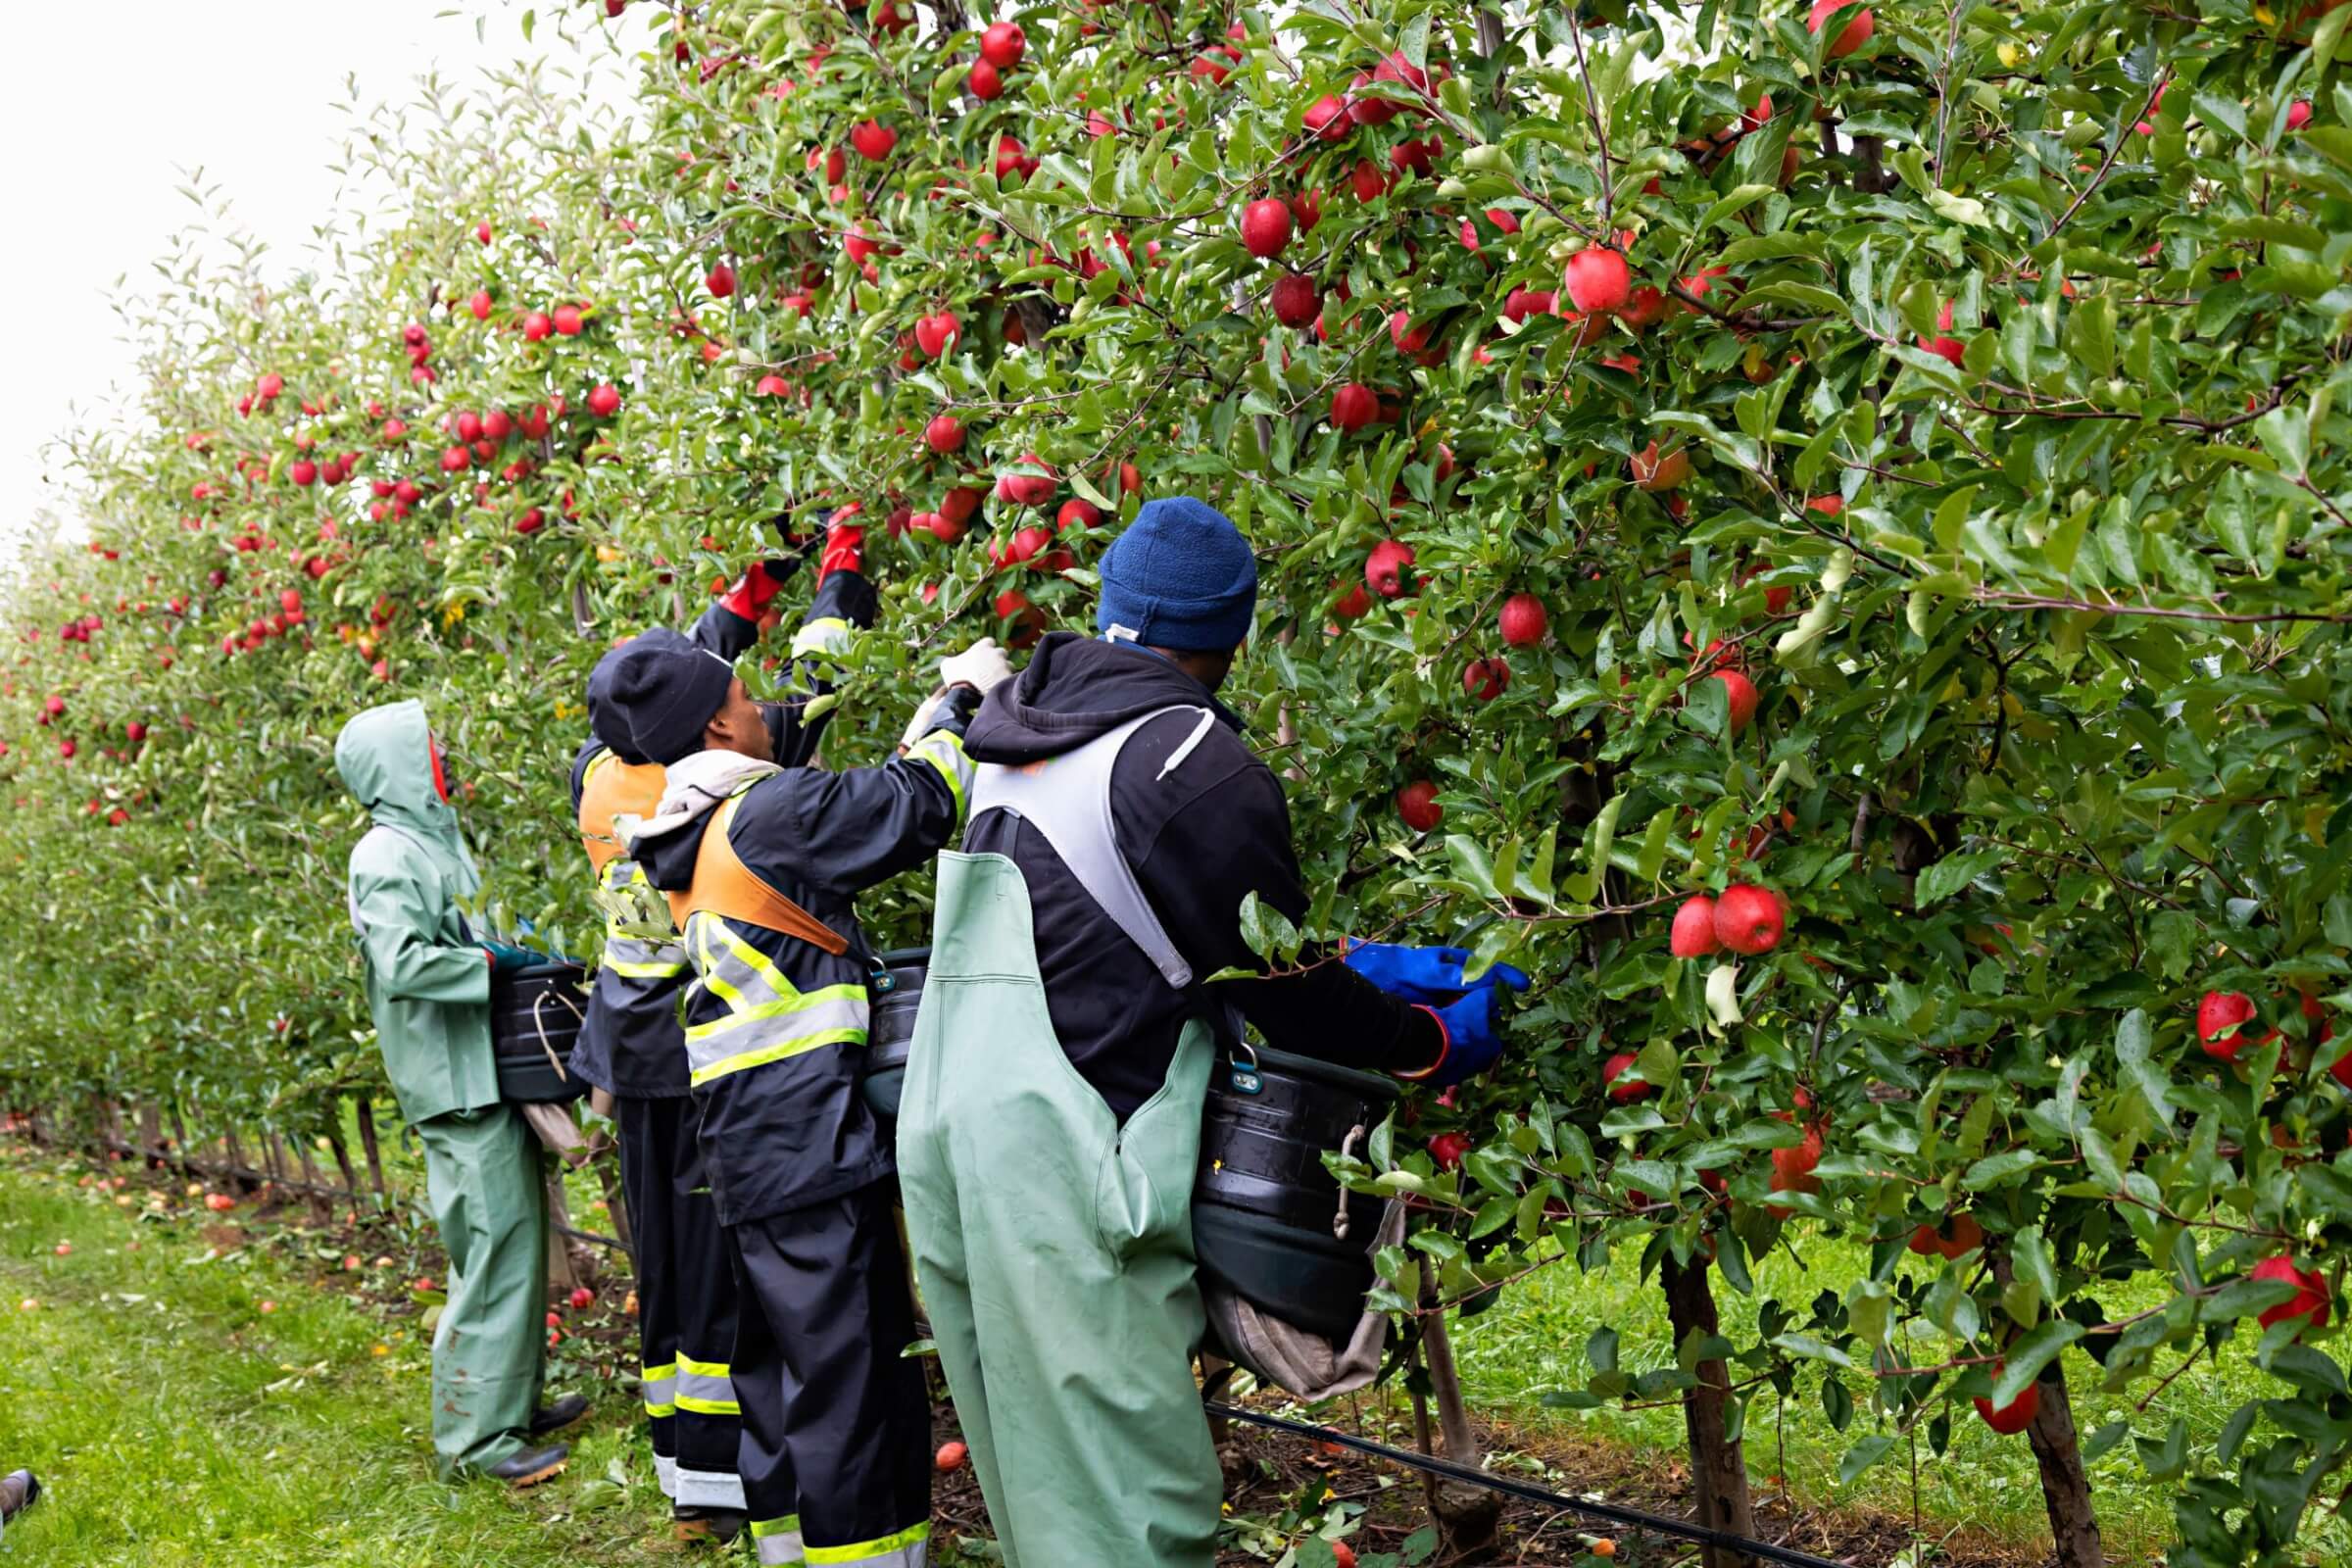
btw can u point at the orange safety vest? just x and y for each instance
(725, 886)
(615, 788)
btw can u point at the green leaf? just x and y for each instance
(1862, 1455)
(1951, 874)
(2025, 1358)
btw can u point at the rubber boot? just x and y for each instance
(531, 1466)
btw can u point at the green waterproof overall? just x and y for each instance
(428, 989)
(1054, 1247)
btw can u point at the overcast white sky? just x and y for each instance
(106, 111)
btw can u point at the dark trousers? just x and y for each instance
(836, 1422)
(685, 1303)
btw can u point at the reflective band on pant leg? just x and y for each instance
(778, 1542)
(666, 1471)
(705, 1489)
(660, 1389)
(908, 1549)
(704, 1388)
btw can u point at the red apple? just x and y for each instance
(943, 434)
(872, 139)
(1486, 678)
(1523, 621)
(1852, 37)
(1748, 919)
(936, 335)
(1353, 406)
(1417, 804)
(1004, 44)
(1598, 280)
(1384, 570)
(1793, 1169)
(1693, 935)
(720, 282)
(1946, 348)
(1327, 118)
(1296, 300)
(2310, 1300)
(604, 401)
(1742, 694)
(2220, 1013)
(1654, 472)
(951, 1455)
(1447, 1150)
(1615, 1069)
(984, 81)
(2018, 1414)
(1265, 228)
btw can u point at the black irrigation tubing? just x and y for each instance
(1614, 1513)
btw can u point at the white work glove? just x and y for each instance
(920, 726)
(981, 667)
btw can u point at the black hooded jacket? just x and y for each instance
(1200, 841)
(631, 1042)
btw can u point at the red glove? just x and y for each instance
(750, 596)
(845, 550)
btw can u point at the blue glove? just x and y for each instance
(1424, 975)
(1473, 1033)
(505, 957)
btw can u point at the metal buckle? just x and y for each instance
(1245, 1079)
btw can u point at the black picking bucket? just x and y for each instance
(536, 1018)
(1264, 1208)
(897, 990)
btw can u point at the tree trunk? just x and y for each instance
(570, 1263)
(323, 1207)
(616, 1199)
(1718, 1466)
(368, 1145)
(179, 1142)
(1467, 1516)
(342, 1154)
(151, 1134)
(236, 1160)
(2065, 1487)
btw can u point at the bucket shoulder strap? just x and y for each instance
(1067, 799)
(725, 886)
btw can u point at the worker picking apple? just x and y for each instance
(1067, 1034)
(632, 1048)
(761, 860)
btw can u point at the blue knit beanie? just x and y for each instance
(1181, 577)
(667, 688)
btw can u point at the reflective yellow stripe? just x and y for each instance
(955, 767)
(660, 1388)
(647, 972)
(704, 1388)
(889, 1548)
(775, 1053)
(827, 634)
(777, 1542)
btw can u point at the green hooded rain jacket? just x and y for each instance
(428, 982)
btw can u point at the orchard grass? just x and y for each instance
(1533, 1343)
(175, 1424)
